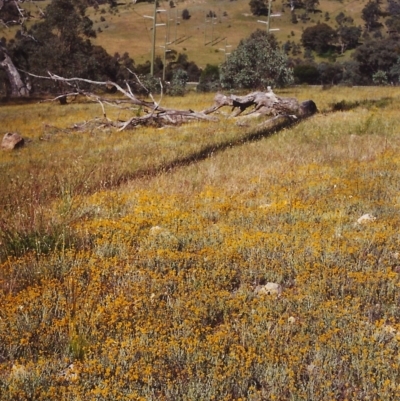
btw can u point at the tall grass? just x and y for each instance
(144, 288)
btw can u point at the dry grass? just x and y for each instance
(145, 291)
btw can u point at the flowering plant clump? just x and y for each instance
(246, 276)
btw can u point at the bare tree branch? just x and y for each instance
(283, 110)
(158, 115)
(20, 11)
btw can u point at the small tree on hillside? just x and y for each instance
(186, 14)
(310, 5)
(258, 7)
(348, 37)
(319, 37)
(393, 22)
(257, 62)
(371, 14)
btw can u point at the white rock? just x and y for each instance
(389, 329)
(161, 237)
(366, 218)
(269, 289)
(70, 374)
(312, 369)
(385, 333)
(156, 230)
(18, 372)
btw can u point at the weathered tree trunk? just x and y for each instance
(263, 104)
(18, 88)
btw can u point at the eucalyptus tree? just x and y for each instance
(257, 62)
(12, 13)
(58, 43)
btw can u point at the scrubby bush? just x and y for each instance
(178, 83)
(209, 79)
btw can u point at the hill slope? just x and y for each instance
(127, 30)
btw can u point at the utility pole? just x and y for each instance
(212, 19)
(212, 27)
(267, 22)
(269, 15)
(153, 45)
(225, 49)
(205, 29)
(165, 60)
(169, 19)
(176, 22)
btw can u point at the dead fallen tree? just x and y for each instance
(258, 104)
(151, 113)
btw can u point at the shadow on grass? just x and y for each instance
(264, 130)
(345, 105)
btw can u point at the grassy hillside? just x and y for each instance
(127, 29)
(123, 286)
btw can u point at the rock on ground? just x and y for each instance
(12, 140)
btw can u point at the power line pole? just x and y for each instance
(176, 23)
(269, 15)
(169, 19)
(153, 45)
(165, 59)
(212, 21)
(225, 49)
(212, 28)
(267, 22)
(205, 29)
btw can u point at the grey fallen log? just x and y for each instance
(262, 104)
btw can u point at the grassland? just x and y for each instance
(122, 278)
